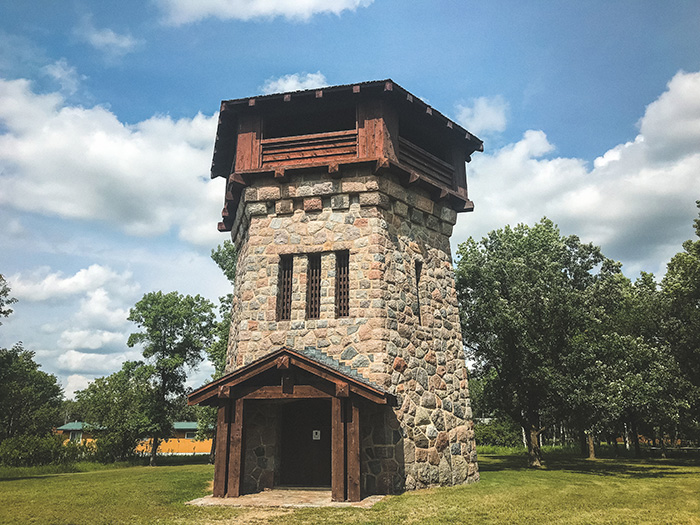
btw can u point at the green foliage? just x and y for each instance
(31, 450)
(522, 294)
(225, 257)
(176, 330)
(5, 299)
(681, 288)
(498, 432)
(30, 400)
(116, 410)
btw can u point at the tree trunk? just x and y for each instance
(583, 444)
(635, 439)
(591, 445)
(534, 454)
(627, 438)
(154, 451)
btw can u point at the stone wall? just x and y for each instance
(402, 332)
(262, 447)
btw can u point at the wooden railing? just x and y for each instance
(425, 163)
(305, 149)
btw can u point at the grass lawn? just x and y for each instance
(568, 490)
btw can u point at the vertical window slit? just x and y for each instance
(313, 287)
(342, 284)
(284, 288)
(419, 269)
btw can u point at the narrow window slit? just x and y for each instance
(284, 288)
(419, 269)
(342, 284)
(313, 287)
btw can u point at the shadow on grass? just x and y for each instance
(622, 467)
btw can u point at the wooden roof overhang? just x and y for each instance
(287, 374)
(234, 132)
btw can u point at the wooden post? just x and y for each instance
(235, 462)
(353, 450)
(337, 450)
(221, 458)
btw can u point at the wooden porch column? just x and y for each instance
(221, 452)
(353, 450)
(337, 450)
(235, 461)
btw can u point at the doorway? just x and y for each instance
(305, 452)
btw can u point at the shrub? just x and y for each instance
(498, 432)
(29, 451)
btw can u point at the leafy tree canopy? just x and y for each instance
(175, 331)
(5, 299)
(522, 294)
(30, 399)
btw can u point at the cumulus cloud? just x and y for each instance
(179, 12)
(89, 363)
(73, 383)
(83, 163)
(90, 339)
(485, 115)
(66, 76)
(40, 285)
(637, 201)
(294, 82)
(112, 44)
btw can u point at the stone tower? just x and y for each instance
(341, 202)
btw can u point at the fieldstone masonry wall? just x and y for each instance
(402, 331)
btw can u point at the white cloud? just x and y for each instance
(99, 309)
(485, 115)
(75, 382)
(41, 285)
(90, 339)
(113, 45)
(92, 363)
(637, 201)
(66, 76)
(294, 82)
(144, 179)
(178, 12)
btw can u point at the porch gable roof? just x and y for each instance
(310, 360)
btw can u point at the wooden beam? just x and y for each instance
(353, 449)
(337, 450)
(235, 463)
(277, 392)
(221, 463)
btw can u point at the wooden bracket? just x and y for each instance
(283, 362)
(224, 392)
(342, 390)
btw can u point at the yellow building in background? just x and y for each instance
(182, 441)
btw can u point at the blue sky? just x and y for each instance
(590, 113)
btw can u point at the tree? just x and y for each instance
(522, 299)
(681, 288)
(117, 408)
(5, 299)
(30, 399)
(176, 329)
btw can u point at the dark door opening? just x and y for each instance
(306, 443)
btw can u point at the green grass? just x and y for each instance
(567, 490)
